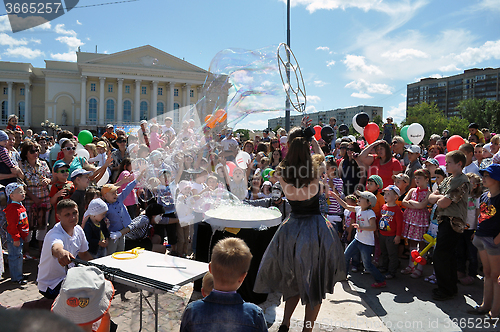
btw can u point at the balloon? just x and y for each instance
(441, 158)
(415, 133)
(317, 130)
(265, 173)
(230, 166)
(454, 143)
(83, 153)
(207, 118)
(242, 159)
(371, 132)
(404, 134)
(414, 255)
(212, 122)
(356, 126)
(327, 134)
(343, 130)
(219, 113)
(362, 119)
(104, 179)
(85, 137)
(224, 117)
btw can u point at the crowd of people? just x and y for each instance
(347, 206)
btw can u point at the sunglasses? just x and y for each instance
(395, 142)
(343, 148)
(120, 141)
(349, 149)
(62, 171)
(70, 148)
(33, 151)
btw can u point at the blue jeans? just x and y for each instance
(366, 251)
(15, 259)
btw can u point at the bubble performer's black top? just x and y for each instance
(307, 207)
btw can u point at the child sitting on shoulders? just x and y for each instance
(229, 266)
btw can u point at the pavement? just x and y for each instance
(404, 305)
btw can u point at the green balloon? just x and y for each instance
(265, 173)
(85, 137)
(405, 135)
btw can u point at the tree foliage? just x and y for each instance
(486, 113)
(244, 134)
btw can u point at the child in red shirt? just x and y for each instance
(391, 226)
(61, 188)
(18, 229)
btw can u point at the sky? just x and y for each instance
(351, 52)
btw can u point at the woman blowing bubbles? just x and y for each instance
(305, 258)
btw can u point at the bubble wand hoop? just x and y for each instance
(288, 65)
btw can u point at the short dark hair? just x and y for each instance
(154, 210)
(467, 147)
(66, 204)
(439, 171)
(474, 125)
(65, 134)
(457, 156)
(422, 172)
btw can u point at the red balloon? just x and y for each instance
(230, 166)
(317, 130)
(454, 143)
(371, 132)
(414, 254)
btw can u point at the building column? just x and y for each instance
(186, 94)
(27, 106)
(101, 100)
(10, 99)
(83, 102)
(119, 102)
(137, 102)
(154, 100)
(170, 97)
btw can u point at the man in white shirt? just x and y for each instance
(61, 244)
(229, 146)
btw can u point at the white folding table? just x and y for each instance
(163, 268)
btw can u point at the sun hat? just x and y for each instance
(487, 147)
(144, 122)
(108, 188)
(58, 164)
(85, 295)
(283, 139)
(3, 136)
(378, 180)
(109, 125)
(96, 206)
(11, 187)
(393, 188)
(432, 161)
(401, 176)
(414, 149)
(78, 172)
(183, 185)
(493, 170)
(267, 183)
(101, 144)
(367, 195)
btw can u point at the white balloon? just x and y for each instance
(415, 133)
(357, 127)
(104, 179)
(79, 146)
(83, 153)
(242, 158)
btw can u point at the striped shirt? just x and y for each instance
(334, 206)
(4, 157)
(139, 228)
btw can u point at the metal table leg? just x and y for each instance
(156, 312)
(140, 311)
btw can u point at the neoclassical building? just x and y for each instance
(120, 88)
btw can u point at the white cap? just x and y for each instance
(283, 139)
(96, 206)
(413, 149)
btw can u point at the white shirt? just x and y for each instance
(50, 272)
(363, 220)
(472, 168)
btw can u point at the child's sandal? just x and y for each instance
(416, 274)
(407, 270)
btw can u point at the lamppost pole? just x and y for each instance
(287, 103)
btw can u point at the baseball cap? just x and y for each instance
(78, 172)
(378, 180)
(367, 195)
(108, 188)
(414, 149)
(143, 122)
(266, 131)
(401, 176)
(393, 188)
(432, 161)
(109, 125)
(11, 187)
(85, 295)
(267, 183)
(60, 163)
(101, 144)
(493, 170)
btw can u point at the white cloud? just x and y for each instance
(320, 83)
(5, 39)
(391, 8)
(405, 54)
(45, 26)
(366, 87)
(322, 48)
(313, 99)
(70, 56)
(4, 23)
(450, 67)
(474, 55)
(330, 63)
(261, 123)
(78, 22)
(357, 63)
(311, 109)
(398, 113)
(62, 31)
(361, 95)
(36, 41)
(488, 5)
(23, 51)
(241, 77)
(72, 42)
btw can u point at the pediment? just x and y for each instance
(146, 57)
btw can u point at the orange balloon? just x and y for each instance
(219, 113)
(207, 118)
(222, 117)
(212, 122)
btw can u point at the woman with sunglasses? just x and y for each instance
(37, 178)
(68, 147)
(350, 171)
(382, 163)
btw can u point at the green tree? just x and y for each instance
(429, 116)
(378, 120)
(486, 113)
(244, 134)
(458, 126)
